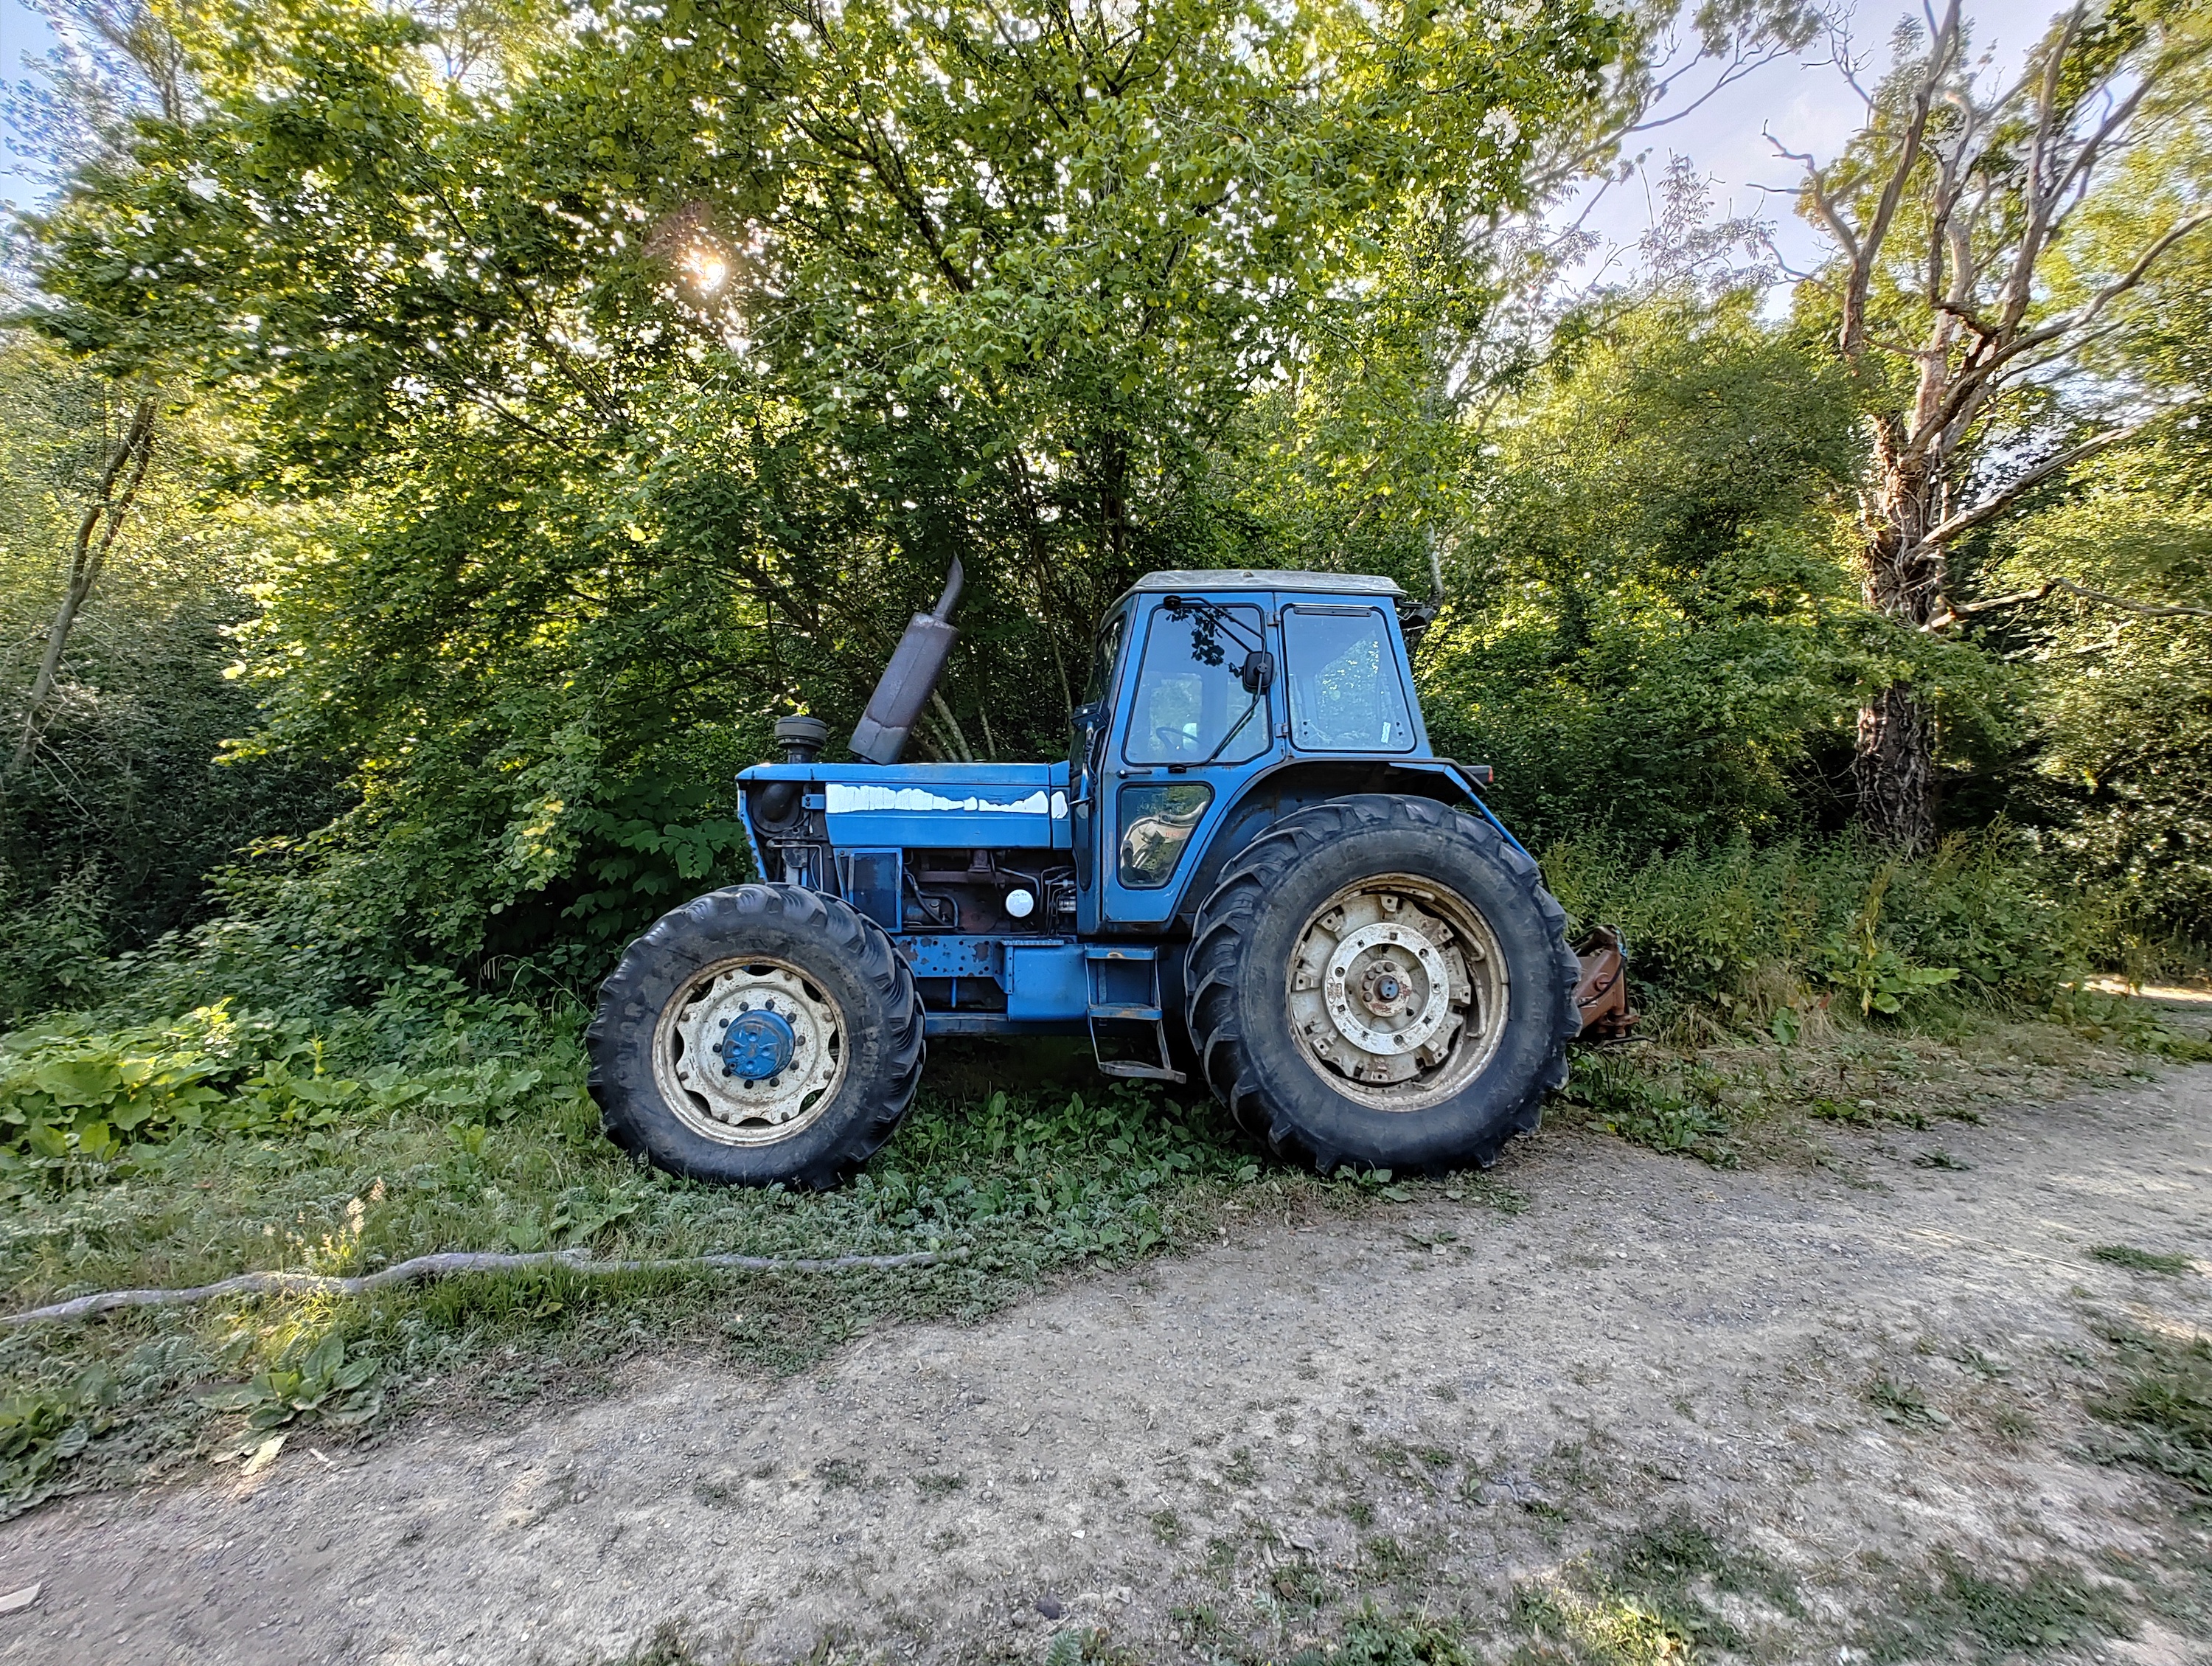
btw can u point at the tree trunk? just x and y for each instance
(95, 536)
(1895, 769)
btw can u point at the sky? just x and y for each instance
(1806, 105)
(23, 34)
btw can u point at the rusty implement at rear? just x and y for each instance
(1601, 991)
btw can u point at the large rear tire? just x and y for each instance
(1384, 982)
(759, 1034)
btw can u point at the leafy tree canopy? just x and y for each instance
(661, 357)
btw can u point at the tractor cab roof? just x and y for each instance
(1262, 578)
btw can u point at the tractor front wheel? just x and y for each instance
(759, 1034)
(1385, 982)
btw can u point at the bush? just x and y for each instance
(1742, 925)
(78, 1099)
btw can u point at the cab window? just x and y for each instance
(1347, 695)
(1191, 707)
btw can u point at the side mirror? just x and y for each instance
(1088, 722)
(1257, 673)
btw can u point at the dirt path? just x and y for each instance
(1840, 1373)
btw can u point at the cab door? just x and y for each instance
(1198, 714)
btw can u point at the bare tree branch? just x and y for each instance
(1955, 614)
(453, 1264)
(2021, 485)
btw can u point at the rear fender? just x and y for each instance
(1270, 797)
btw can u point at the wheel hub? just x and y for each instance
(757, 1045)
(752, 1052)
(1387, 987)
(1397, 992)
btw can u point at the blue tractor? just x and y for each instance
(1251, 869)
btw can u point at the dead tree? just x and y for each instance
(122, 470)
(1946, 211)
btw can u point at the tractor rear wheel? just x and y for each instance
(759, 1034)
(1384, 982)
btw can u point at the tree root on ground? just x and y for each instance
(449, 1264)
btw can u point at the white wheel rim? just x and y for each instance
(713, 1101)
(1397, 992)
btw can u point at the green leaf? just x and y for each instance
(76, 1081)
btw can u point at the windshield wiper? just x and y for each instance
(1236, 729)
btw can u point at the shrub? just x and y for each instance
(1738, 923)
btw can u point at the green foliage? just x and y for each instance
(1860, 962)
(1373, 1639)
(2122, 772)
(314, 1383)
(1654, 632)
(41, 1431)
(109, 826)
(1636, 1605)
(2140, 1261)
(79, 1102)
(2051, 1608)
(1746, 927)
(1673, 1114)
(643, 380)
(471, 1130)
(2160, 1407)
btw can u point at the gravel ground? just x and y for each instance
(1850, 1378)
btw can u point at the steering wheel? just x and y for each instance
(1172, 738)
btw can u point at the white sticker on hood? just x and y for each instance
(846, 798)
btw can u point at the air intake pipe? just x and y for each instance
(910, 678)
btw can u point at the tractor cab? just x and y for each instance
(1219, 700)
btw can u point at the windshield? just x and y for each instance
(1345, 693)
(1191, 705)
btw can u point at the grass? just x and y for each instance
(1018, 1182)
(2050, 1608)
(1641, 1602)
(2142, 1260)
(2158, 1406)
(1731, 1094)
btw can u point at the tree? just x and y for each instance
(643, 390)
(1657, 635)
(126, 451)
(1953, 213)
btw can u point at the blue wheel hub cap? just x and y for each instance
(757, 1044)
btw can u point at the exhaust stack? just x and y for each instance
(910, 678)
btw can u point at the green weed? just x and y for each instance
(320, 1385)
(1901, 1402)
(470, 1130)
(41, 1433)
(2160, 1407)
(1375, 1639)
(1747, 928)
(2051, 1608)
(1637, 1604)
(2140, 1261)
(1677, 1115)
